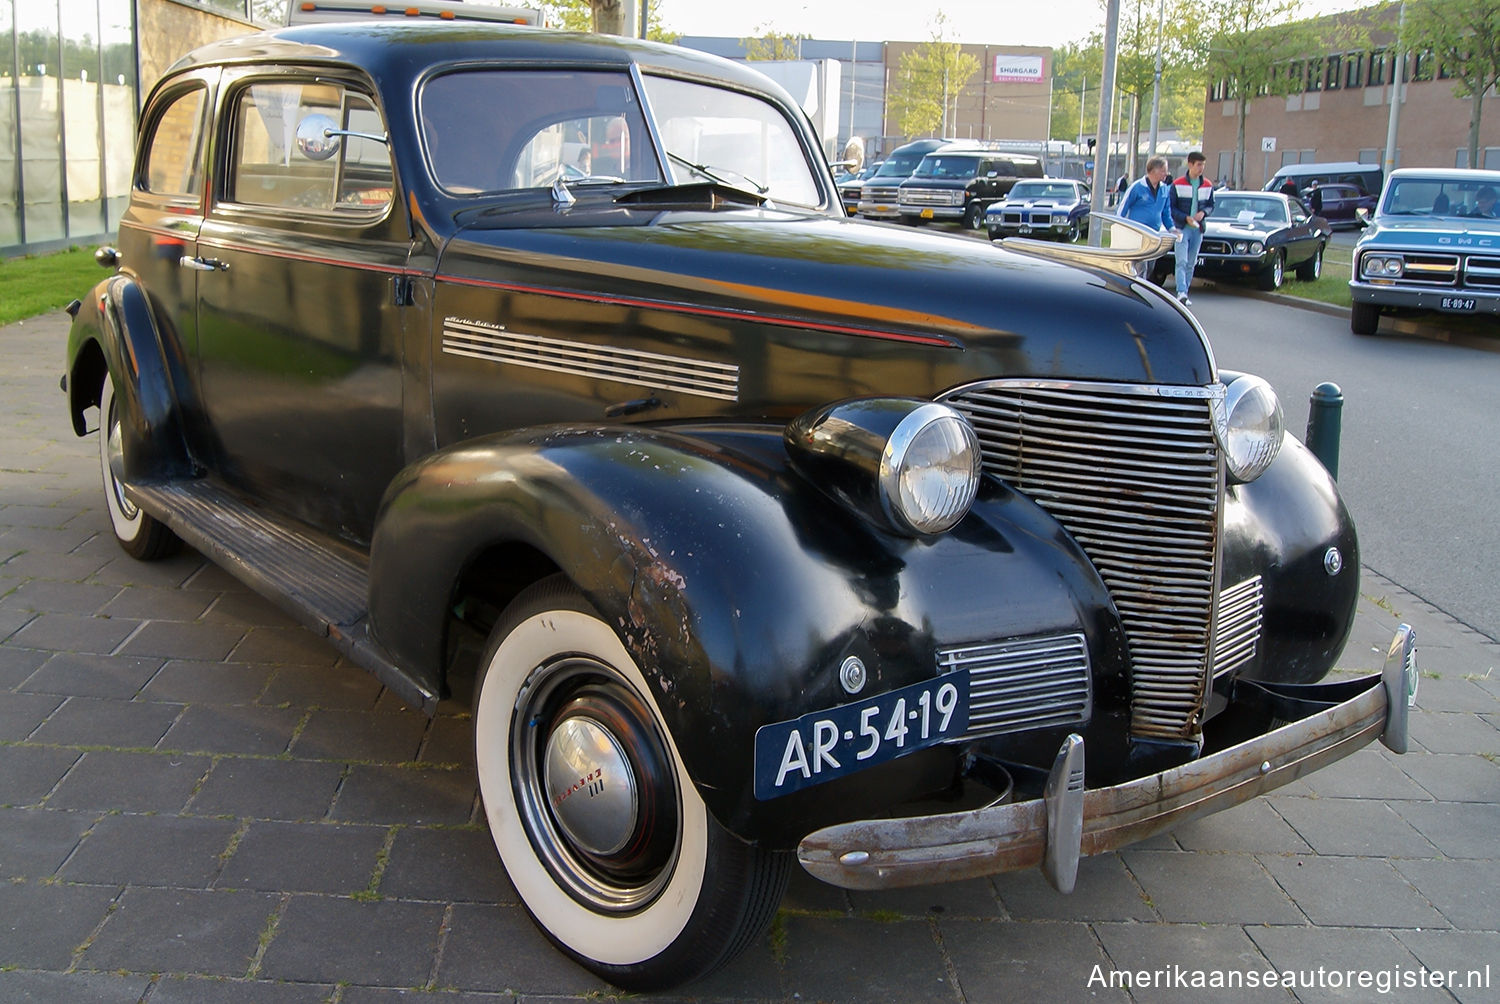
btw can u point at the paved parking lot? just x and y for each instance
(199, 801)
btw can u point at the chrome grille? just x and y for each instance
(1436, 269)
(931, 197)
(1484, 272)
(1237, 628)
(1133, 474)
(1214, 247)
(1027, 683)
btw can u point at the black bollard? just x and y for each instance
(1325, 424)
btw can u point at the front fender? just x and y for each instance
(738, 586)
(1281, 527)
(116, 331)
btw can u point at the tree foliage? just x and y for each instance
(1464, 37)
(772, 44)
(927, 83)
(605, 16)
(1248, 44)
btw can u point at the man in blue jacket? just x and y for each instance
(1148, 202)
(1192, 202)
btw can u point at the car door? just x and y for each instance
(159, 229)
(1302, 238)
(303, 304)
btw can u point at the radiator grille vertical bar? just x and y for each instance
(1133, 474)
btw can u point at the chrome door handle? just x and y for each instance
(203, 264)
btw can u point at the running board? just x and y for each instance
(323, 585)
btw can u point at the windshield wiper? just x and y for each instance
(711, 173)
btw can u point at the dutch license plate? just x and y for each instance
(1457, 303)
(927, 214)
(824, 745)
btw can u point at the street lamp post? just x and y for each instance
(1161, 24)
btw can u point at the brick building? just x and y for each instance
(1340, 111)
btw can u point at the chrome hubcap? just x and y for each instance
(591, 785)
(595, 784)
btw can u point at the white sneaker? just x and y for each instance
(1182, 298)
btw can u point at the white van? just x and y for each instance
(313, 11)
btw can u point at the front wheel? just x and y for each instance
(1364, 318)
(141, 535)
(607, 841)
(973, 216)
(1309, 270)
(1272, 277)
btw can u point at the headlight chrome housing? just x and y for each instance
(1382, 267)
(1256, 247)
(1252, 427)
(910, 467)
(1241, 247)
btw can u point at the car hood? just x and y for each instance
(1237, 231)
(1424, 231)
(846, 287)
(1039, 203)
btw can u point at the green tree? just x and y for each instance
(1248, 45)
(584, 15)
(928, 81)
(1464, 37)
(772, 44)
(1075, 84)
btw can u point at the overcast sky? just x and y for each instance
(996, 22)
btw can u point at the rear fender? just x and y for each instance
(737, 586)
(116, 330)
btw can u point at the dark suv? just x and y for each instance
(959, 183)
(879, 197)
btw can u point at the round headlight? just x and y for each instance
(1240, 247)
(929, 470)
(1393, 266)
(1256, 247)
(1372, 265)
(1253, 427)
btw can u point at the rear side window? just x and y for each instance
(309, 145)
(174, 160)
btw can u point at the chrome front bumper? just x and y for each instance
(1068, 821)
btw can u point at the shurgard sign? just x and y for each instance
(1018, 69)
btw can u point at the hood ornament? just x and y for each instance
(1129, 243)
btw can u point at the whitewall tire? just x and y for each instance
(139, 533)
(596, 820)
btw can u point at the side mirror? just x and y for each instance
(316, 138)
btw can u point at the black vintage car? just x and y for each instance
(1260, 236)
(777, 524)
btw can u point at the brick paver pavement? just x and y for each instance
(199, 801)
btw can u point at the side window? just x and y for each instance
(294, 147)
(174, 162)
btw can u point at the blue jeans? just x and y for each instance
(1187, 256)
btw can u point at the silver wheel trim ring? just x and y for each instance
(113, 448)
(570, 870)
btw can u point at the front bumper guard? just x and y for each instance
(1068, 822)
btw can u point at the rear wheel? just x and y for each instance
(608, 843)
(1272, 277)
(1364, 318)
(1309, 270)
(140, 534)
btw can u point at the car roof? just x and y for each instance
(1290, 170)
(1446, 174)
(385, 49)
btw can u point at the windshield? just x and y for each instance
(900, 165)
(1041, 190)
(936, 165)
(1248, 209)
(714, 134)
(1419, 196)
(493, 130)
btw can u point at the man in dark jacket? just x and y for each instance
(1192, 202)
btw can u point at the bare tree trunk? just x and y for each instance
(1474, 127)
(1239, 144)
(609, 17)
